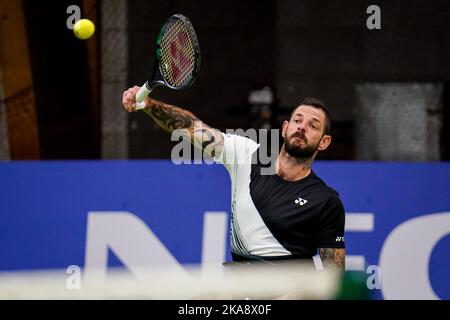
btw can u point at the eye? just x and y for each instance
(312, 125)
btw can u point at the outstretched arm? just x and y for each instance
(171, 118)
(333, 258)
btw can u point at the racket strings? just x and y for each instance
(178, 54)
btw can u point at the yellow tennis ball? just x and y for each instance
(83, 29)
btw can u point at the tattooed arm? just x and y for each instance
(171, 118)
(333, 258)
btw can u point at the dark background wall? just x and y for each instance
(299, 47)
(237, 47)
(61, 82)
(302, 48)
(325, 50)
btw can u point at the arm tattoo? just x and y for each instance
(333, 258)
(205, 136)
(171, 118)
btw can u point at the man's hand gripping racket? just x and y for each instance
(177, 61)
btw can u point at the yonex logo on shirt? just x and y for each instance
(300, 201)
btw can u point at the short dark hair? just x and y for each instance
(316, 103)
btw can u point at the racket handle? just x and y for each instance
(143, 92)
(139, 105)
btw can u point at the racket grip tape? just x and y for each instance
(143, 92)
(139, 105)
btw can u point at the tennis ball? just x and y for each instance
(83, 29)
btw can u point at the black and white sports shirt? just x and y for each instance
(273, 218)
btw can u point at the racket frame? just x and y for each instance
(157, 75)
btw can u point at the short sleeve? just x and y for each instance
(331, 224)
(237, 150)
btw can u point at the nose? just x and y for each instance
(301, 126)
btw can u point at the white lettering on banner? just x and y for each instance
(214, 239)
(358, 222)
(129, 238)
(405, 256)
(138, 247)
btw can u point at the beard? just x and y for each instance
(297, 151)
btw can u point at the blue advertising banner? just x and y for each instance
(54, 214)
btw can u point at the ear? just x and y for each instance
(284, 128)
(324, 142)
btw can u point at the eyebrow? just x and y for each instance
(301, 115)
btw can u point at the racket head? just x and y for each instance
(178, 52)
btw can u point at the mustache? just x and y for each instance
(299, 134)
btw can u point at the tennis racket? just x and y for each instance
(177, 58)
